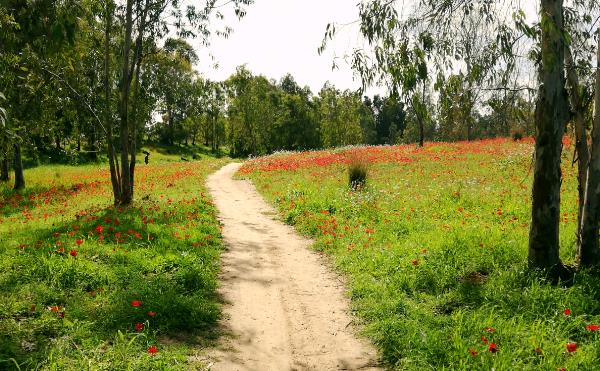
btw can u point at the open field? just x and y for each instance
(435, 253)
(85, 285)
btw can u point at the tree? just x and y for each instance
(588, 253)
(551, 116)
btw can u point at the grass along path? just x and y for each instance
(435, 253)
(285, 310)
(85, 285)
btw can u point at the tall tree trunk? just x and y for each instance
(18, 166)
(588, 252)
(581, 145)
(136, 93)
(4, 168)
(126, 196)
(114, 174)
(551, 117)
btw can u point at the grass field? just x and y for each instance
(84, 285)
(435, 253)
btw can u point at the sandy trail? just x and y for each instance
(286, 310)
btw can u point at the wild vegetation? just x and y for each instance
(83, 283)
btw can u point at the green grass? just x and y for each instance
(64, 312)
(435, 252)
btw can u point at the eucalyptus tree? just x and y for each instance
(393, 42)
(141, 21)
(32, 32)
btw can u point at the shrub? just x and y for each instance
(358, 169)
(517, 135)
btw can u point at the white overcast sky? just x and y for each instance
(281, 36)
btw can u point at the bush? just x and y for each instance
(517, 135)
(358, 169)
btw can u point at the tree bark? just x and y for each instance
(126, 196)
(581, 145)
(551, 117)
(114, 177)
(588, 252)
(18, 167)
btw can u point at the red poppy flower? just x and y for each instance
(489, 330)
(78, 242)
(415, 262)
(139, 327)
(99, 229)
(152, 349)
(538, 351)
(571, 347)
(473, 352)
(567, 312)
(61, 250)
(593, 327)
(151, 314)
(136, 303)
(493, 347)
(484, 339)
(73, 253)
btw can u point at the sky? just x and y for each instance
(277, 37)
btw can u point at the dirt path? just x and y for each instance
(285, 310)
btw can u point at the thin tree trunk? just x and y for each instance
(4, 169)
(550, 117)
(588, 253)
(18, 167)
(581, 145)
(126, 196)
(114, 178)
(137, 61)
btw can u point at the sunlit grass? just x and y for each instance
(72, 268)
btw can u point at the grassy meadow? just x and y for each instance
(435, 248)
(85, 285)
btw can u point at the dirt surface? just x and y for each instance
(285, 309)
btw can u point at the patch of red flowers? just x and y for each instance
(571, 347)
(78, 242)
(489, 330)
(567, 312)
(152, 349)
(151, 314)
(73, 253)
(99, 229)
(136, 303)
(139, 327)
(473, 352)
(493, 347)
(593, 327)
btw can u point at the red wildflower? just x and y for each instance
(538, 351)
(139, 327)
(473, 352)
(415, 262)
(593, 327)
(73, 253)
(60, 250)
(567, 312)
(151, 314)
(152, 349)
(493, 347)
(136, 303)
(78, 242)
(484, 339)
(99, 229)
(55, 309)
(571, 347)
(489, 330)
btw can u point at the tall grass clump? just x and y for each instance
(358, 171)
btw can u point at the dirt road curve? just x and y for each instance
(285, 310)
